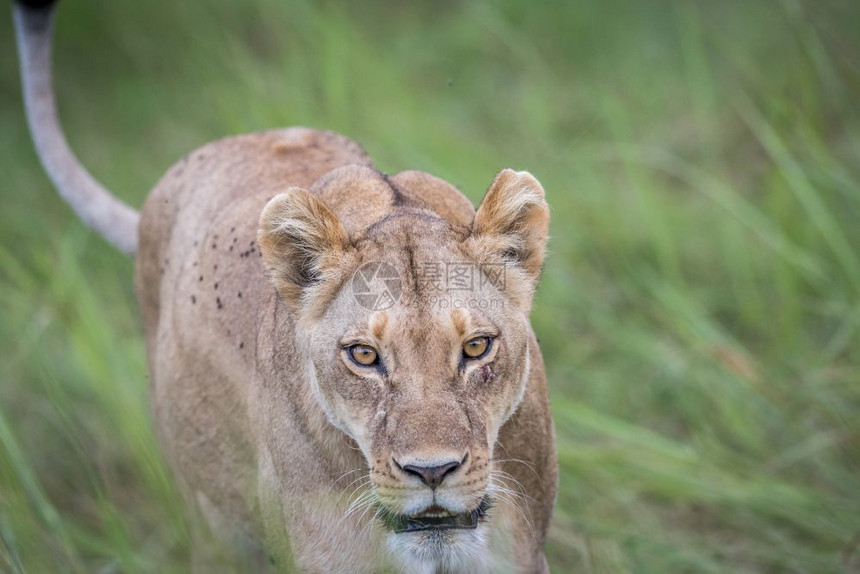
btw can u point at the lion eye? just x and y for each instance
(364, 355)
(476, 347)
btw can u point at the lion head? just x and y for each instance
(412, 310)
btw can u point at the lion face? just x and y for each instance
(423, 386)
(416, 336)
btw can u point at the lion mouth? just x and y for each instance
(438, 518)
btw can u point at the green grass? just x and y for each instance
(700, 308)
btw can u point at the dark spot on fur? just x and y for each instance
(200, 278)
(413, 272)
(216, 285)
(397, 197)
(232, 229)
(195, 244)
(193, 299)
(231, 248)
(215, 267)
(218, 302)
(241, 344)
(486, 373)
(515, 255)
(239, 294)
(214, 246)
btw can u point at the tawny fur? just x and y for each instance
(269, 429)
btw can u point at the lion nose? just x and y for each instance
(432, 476)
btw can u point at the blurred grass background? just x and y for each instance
(699, 312)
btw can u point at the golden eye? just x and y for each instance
(364, 355)
(476, 347)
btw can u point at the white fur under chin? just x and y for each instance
(447, 551)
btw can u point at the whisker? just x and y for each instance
(508, 476)
(369, 523)
(362, 482)
(513, 499)
(364, 507)
(367, 507)
(504, 497)
(528, 465)
(360, 491)
(366, 497)
(338, 479)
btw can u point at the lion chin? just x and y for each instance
(441, 551)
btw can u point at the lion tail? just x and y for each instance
(97, 208)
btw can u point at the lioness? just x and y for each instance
(344, 378)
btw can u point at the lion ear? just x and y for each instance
(513, 220)
(302, 241)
